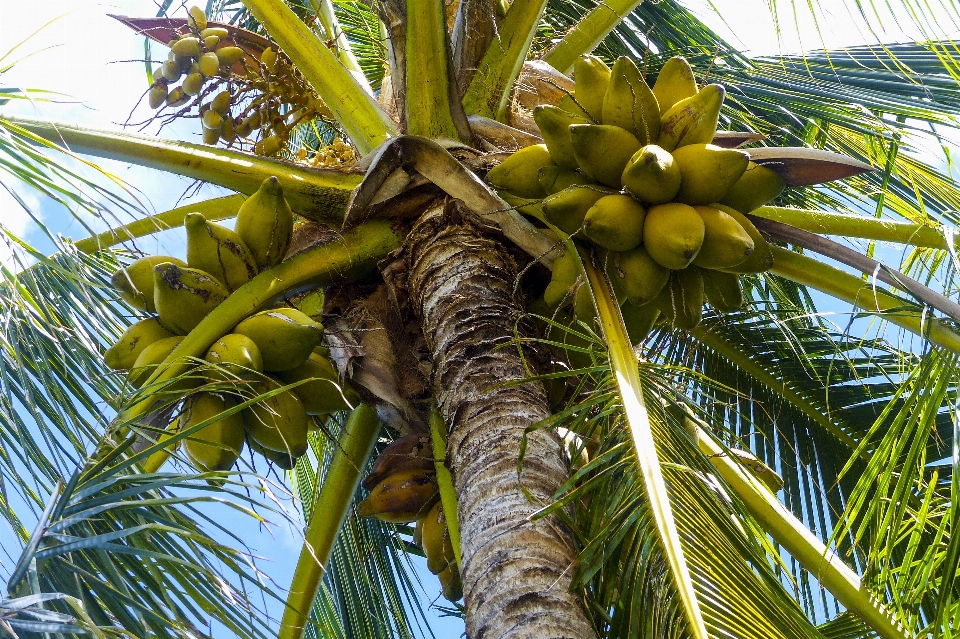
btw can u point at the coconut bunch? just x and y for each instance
(632, 172)
(403, 489)
(237, 95)
(337, 153)
(262, 354)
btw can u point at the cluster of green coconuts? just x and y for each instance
(263, 353)
(633, 171)
(269, 97)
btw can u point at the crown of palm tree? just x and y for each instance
(665, 507)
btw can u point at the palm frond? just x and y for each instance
(56, 389)
(29, 160)
(29, 614)
(931, 19)
(621, 568)
(851, 380)
(845, 626)
(135, 550)
(902, 508)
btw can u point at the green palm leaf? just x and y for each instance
(135, 550)
(56, 316)
(902, 507)
(622, 569)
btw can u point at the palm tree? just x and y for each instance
(649, 526)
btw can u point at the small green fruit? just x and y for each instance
(681, 300)
(123, 355)
(639, 320)
(265, 224)
(209, 64)
(723, 290)
(216, 446)
(228, 56)
(184, 296)
(135, 282)
(187, 46)
(518, 173)
(152, 356)
(324, 392)
(284, 336)
(278, 422)
(636, 276)
(652, 175)
(725, 242)
(615, 222)
(217, 250)
(673, 234)
(603, 151)
(237, 356)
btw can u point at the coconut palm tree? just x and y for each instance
(652, 515)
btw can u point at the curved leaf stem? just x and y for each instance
(448, 496)
(869, 228)
(429, 78)
(367, 124)
(436, 164)
(491, 87)
(625, 366)
(319, 194)
(588, 33)
(863, 263)
(331, 26)
(220, 208)
(803, 545)
(849, 288)
(327, 516)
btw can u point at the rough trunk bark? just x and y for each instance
(516, 572)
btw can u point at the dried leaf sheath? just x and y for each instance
(517, 572)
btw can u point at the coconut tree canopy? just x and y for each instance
(461, 314)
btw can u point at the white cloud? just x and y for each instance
(98, 62)
(93, 57)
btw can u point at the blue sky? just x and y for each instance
(98, 62)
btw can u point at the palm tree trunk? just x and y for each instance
(516, 572)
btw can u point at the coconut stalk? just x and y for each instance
(367, 124)
(448, 494)
(866, 265)
(804, 546)
(329, 511)
(319, 194)
(625, 367)
(489, 92)
(216, 209)
(436, 112)
(868, 228)
(850, 288)
(333, 31)
(588, 33)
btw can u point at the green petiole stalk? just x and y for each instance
(329, 511)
